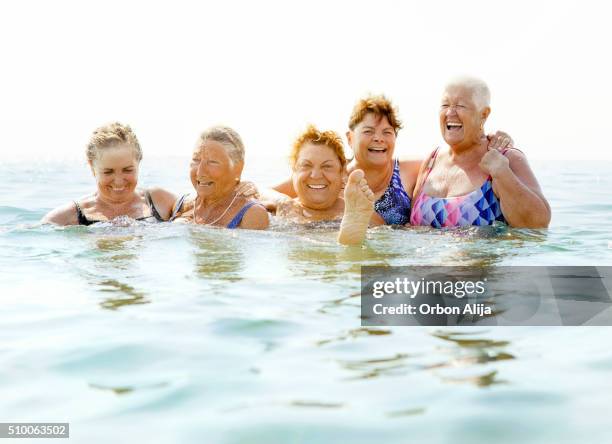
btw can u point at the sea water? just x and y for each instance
(180, 334)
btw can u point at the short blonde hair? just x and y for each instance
(109, 136)
(227, 137)
(378, 105)
(326, 138)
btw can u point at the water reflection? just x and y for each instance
(486, 380)
(471, 351)
(355, 333)
(371, 368)
(218, 254)
(318, 255)
(113, 255)
(122, 390)
(121, 295)
(407, 412)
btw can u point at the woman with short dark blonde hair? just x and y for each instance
(114, 154)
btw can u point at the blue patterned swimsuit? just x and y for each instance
(394, 205)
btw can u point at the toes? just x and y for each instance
(355, 177)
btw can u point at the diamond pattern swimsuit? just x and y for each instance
(480, 207)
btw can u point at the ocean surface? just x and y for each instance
(178, 334)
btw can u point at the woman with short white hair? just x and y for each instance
(506, 188)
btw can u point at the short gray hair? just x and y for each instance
(481, 95)
(227, 137)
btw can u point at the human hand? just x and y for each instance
(247, 189)
(500, 141)
(493, 163)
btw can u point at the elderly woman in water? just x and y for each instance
(216, 166)
(318, 168)
(373, 129)
(468, 183)
(114, 155)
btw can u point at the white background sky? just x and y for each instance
(170, 69)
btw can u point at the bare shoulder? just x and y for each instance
(518, 161)
(256, 218)
(161, 194)
(186, 210)
(521, 169)
(64, 215)
(411, 166)
(515, 154)
(163, 200)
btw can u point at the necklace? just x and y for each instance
(384, 183)
(220, 217)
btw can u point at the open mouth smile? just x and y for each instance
(453, 126)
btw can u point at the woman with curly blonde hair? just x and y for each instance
(318, 169)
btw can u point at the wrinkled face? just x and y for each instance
(373, 141)
(213, 174)
(116, 172)
(461, 122)
(317, 176)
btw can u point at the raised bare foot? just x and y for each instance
(358, 208)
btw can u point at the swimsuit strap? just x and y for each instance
(396, 168)
(154, 211)
(238, 217)
(430, 164)
(81, 218)
(178, 206)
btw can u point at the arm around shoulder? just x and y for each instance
(285, 188)
(256, 218)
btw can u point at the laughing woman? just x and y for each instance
(373, 128)
(114, 155)
(216, 166)
(465, 183)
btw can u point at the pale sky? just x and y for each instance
(170, 69)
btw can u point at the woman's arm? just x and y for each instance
(256, 218)
(163, 201)
(286, 188)
(522, 202)
(65, 215)
(272, 199)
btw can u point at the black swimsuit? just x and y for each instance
(154, 217)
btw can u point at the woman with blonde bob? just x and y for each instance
(114, 156)
(216, 166)
(318, 168)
